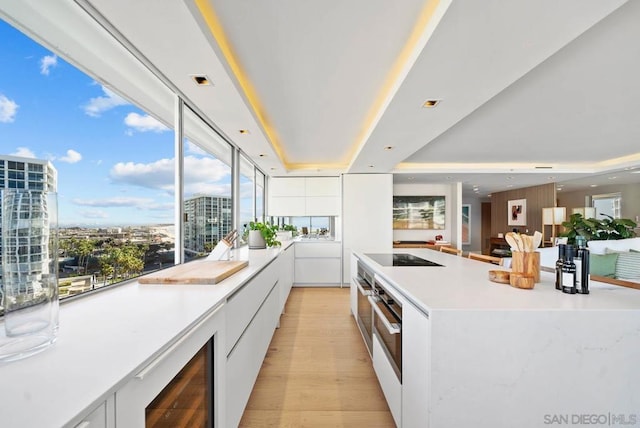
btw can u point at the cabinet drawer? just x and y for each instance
(317, 271)
(95, 419)
(244, 303)
(391, 386)
(244, 362)
(317, 249)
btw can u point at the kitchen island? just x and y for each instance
(489, 355)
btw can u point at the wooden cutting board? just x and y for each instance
(198, 272)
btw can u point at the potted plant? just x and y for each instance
(597, 230)
(261, 235)
(287, 231)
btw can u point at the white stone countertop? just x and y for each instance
(463, 284)
(106, 337)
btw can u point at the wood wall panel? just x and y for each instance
(537, 197)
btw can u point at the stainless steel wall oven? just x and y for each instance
(387, 324)
(364, 281)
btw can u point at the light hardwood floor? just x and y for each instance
(317, 372)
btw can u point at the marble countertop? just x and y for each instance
(107, 336)
(463, 284)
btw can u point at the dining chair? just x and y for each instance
(450, 250)
(487, 259)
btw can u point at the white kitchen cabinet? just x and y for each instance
(294, 186)
(322, 186)
(389, 382)
(415, 362)
(317, 263)
(133, 398)
(285, 206)
(367, 219)
(245, 359)
(242, 306)
(286, 274)
(304, 196)
(102, 416)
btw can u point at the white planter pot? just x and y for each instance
(256, 241)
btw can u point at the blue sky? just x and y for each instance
(114, 162)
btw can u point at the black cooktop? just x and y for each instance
(400, 259)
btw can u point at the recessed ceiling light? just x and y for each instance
(430, 103)
(613, 178)
(388, 147)
(635, 172)
(273, 168)
(262, 155)
(201, 79)
(558, 188)
(593, 185)
(370, 166)
(243, 131)
(409, 178)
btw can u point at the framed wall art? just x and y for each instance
(419, 212)
(517, 212)
(466, 224)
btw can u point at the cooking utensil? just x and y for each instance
(527, 243)
(537, 239)
(519, 242)
(511, 241)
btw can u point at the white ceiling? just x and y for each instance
(532, 91)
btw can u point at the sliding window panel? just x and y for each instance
(247, 194)
(207, 201)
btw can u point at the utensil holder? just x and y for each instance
(526, 262)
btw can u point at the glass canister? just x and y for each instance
(29, 282)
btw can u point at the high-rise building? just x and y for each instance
(207, 220)
(27, 174)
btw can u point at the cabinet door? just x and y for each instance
(322, 205)
(244, 362)
(134, 397)
(294, 186)
(389, 382)
(322, 186)
(317, 271)
(287, 206)
(286, 275)
(416, 363)
(367, 220)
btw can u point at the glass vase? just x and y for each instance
(29, 282)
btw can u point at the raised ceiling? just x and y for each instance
(532, 91)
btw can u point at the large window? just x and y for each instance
(110, 162)
(208, 214)
(113, 165)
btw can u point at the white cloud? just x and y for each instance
(93, 214)
(71, 157)
(23, 152)
(201, 175)
(120, 202)
(8, 109)
(143, 123)
(114, 202)
(46, 63)
(195, 149)
(98, 105)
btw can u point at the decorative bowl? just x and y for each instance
(500, 276)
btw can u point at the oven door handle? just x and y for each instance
(392, 327)
(361, 288)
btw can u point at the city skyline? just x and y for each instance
(115, 162)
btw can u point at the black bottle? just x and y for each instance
(568, 271)
(582, 268)
(559, 263)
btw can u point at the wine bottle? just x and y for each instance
(559, 263)
(582, 271)
(568, 271)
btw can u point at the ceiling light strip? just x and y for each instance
(426, 24)
(215, 27)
